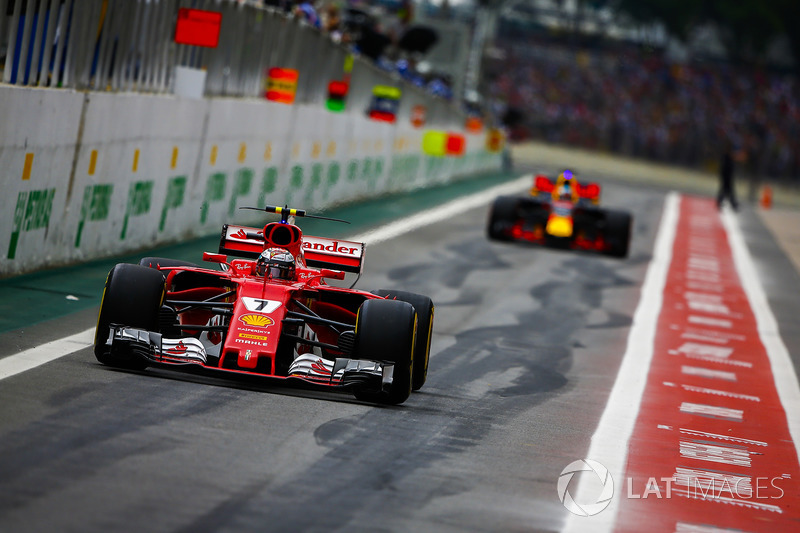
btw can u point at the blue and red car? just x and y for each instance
(561, 213)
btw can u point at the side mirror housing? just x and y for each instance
(333, 274)
(215, 258)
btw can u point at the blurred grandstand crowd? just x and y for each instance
(632, 101)
(382, 31)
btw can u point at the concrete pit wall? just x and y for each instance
(89, 175)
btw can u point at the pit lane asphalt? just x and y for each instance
(526, 347)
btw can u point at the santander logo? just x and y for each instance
(326, 246)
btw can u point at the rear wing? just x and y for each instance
(241, 241)
(541, 184)
(589, 191)
(336, 254)
(319, 252)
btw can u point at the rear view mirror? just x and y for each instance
(215, 258)
(333, 274)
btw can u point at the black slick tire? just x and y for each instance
(618, 233)
(386, 331)
(132, 297)
(422, 347)
(501, 217)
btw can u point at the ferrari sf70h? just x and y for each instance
(268, 313)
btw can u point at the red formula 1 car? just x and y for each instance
(268, 313)
(562, 214)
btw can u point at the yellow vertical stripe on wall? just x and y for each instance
(242, 152)
(26, 170)
(213, 158)
(174, 162)
(135, 167)
(92, 162)
(268, 152)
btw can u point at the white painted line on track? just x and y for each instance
(20, 362)
(437, 214)
(783, 371)
(609, 445)
(33, 357)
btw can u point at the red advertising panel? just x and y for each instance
(456, 144)
(418, 116)
(474, 124)
(281, 85)
(198, 27)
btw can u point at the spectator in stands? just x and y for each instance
(306, 10)
(640, 104)
(332, 23)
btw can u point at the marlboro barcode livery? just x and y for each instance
(268, 313)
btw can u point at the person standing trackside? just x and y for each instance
(727, 190)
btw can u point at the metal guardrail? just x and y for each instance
(128, 45)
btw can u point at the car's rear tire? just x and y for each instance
(422, 347)
(132, 296)
(501, 217)
(618, 233)
(155, 262)
(386, 331)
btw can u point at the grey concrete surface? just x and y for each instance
(525, 343)
(526, 347)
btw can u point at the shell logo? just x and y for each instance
(256, 320)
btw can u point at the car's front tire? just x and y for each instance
(386, 331)
(501, 217)
(618, 233)
(132, 297)
(422, 347)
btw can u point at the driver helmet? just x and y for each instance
(565, 188)
(565, 193)
(276, 263)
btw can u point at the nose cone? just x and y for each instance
(559, 226)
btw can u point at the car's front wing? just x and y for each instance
(340, 372)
